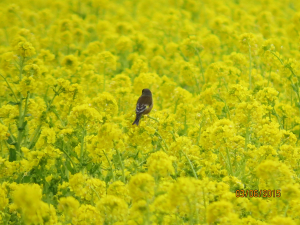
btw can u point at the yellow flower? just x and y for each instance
(290, 154)
(119, 81)
(141, 187)
(146, 80)
(106, 105)
(234, 182)
(120, 190)
(274, 174)
(107, 62)
(109, 134)
(3, 132)
(32, 70)
(239, 60)
(267, 95)
(28, 85)
(84, 116)
(68, 205)
(191, 46)
(289, 192)
(95, 47)
(211, 43)
(189, 74)
(158, 64)
(278, 220)
(25, 49)
(221, 212)
(248, 42)
(87, 214)
(27, 198)
(137, 212)
(46, 55)
(270, 134)
(171, 49)
(47, 137)
(184, 195)
(139, 66)
(87, 188)
(222, 130)
(160, 164)
(70, 62)
(3, 198)
(124, 44)
(113, 209)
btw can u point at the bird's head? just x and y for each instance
(146, 91)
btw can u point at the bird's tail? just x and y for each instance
(137, 120)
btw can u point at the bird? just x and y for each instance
(144, 105)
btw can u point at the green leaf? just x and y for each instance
(13, 103)
(12, 155)
(10, 141)
(108, 177)
(70, 168)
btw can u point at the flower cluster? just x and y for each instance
(225, 78)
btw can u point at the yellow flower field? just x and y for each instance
(220, 146)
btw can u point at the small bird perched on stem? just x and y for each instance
(143, 105)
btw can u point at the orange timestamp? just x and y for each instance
(241, 193)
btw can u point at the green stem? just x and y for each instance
(198, 139)
(229, 161)
(21, 67)
(26, 105)
(185, 125)
(250, 68)
(173, 135)
(81, 147)
(21, 125)
(162, 139)
(156, 132)
(191, 210)
(104, 78)
(176, 105)
(38, 130)
(191, 165)
(246, 139)
(10, 87)
(197, 83)
(200, 62)
(269, 76)
(275, 113)
(62, 149)
(35, 137)
(153, 118)
(122, 166)
(95, 192)
(6, 36)
(204, 203)
(286, 209)
(277, 57)
(10, 133)
(112, 171)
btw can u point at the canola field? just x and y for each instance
(220, 146)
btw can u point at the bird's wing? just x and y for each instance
(140, 108)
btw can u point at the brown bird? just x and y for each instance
(143, 105)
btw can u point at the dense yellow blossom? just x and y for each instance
(225, 79)
(113, 209)
(141, 186)
(160, 164)
(68, 205)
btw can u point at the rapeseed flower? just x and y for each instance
(225, 83)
